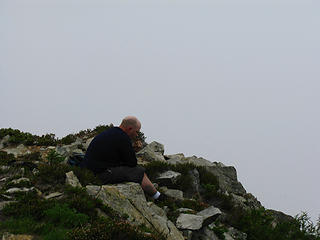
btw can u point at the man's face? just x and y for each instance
(133, 132)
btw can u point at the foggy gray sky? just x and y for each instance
(231, 81)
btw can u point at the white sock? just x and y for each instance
(156, 195)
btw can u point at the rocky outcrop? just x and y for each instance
(129, 199)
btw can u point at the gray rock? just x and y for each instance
(185, 210)
(35, 171)
(189, 221)
(72, 179)
(227, 177)
(68, 150)
(17, 181)
(17, 151)
(53, 195)
(195, 182)
(4, 141)
(209, 215)
(152, 152)
(129, 199)
(4, 168)
(9, 236)
(198, 161)
(236, 234)
(205, 234)
(156, 147)
(24, 189)
(168, 178)
(227, 236)
(86, 145)
(173, 193)
(174, 157)
(4, 179)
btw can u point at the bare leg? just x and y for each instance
(147, 186)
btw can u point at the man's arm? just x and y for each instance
(127, 154)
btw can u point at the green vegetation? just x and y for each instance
(49, 139)
(110, 230)
(261, 224)
(5, 158)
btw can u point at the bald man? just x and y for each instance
(111, 156)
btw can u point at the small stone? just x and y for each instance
(15, 190)
(4, 179)
(17, 181)
(53, 195)
(9, 236)
(185, 210)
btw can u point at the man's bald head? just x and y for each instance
(130, 125)
(130, 121)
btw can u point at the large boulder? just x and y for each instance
(173, 193)
(209, 215)
(227, 176)
(175, 158)
(68, 150)
(189, 221)
(152, 152)
(168, 178)
(129, 199)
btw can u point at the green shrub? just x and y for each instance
(21, 184)
(54, 158)
(18, 137)
(28, 205)
(259, 224)
(70, 138)
(100, 128)
(153, 169)
(53, 174)
(219, 230)
(78, 198)
(109, 230)
(5, 158)
(47, 140)
(63, 216)
(20, 225)
(56, 234)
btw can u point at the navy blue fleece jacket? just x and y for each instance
(111, 148)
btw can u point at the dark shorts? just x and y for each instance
(122, 174)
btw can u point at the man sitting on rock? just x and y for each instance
(111, 157)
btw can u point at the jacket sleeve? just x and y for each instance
(127, 154)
